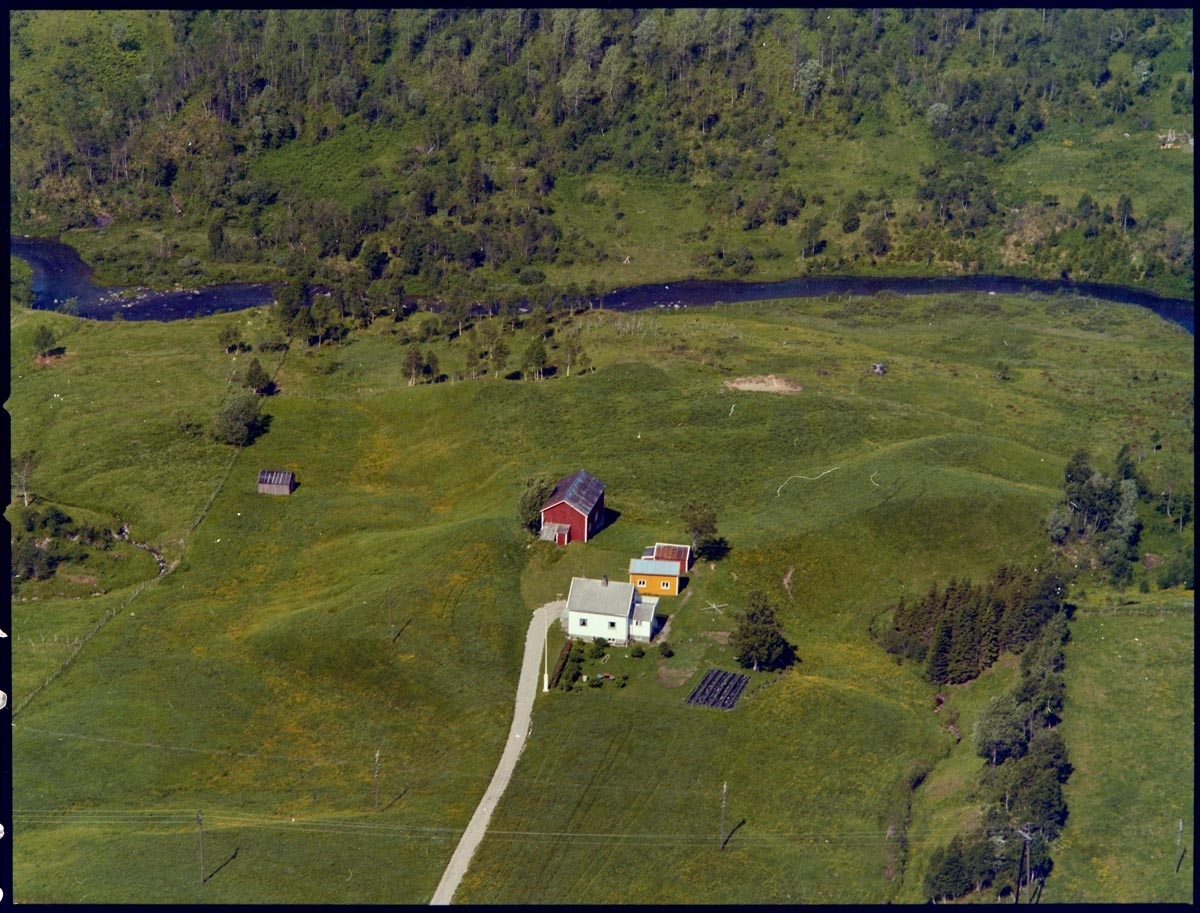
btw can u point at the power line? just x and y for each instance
(176, 820)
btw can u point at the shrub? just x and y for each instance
(240, 421)
(599, 648)
(571, 672)
(665, 651)
(637, 651)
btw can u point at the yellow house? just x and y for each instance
(658, 578)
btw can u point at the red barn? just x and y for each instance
(575, 511)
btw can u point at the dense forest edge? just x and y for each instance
(478, 156)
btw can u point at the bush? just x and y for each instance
(665, 651)
(599, 648)
(637, 651)
(240, 421)
(571, 672)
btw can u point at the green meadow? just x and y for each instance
(1131, 834)
(308, 704)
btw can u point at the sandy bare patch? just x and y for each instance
(767, 383)
(673, 678)
(721, 637)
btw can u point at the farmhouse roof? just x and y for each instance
(650, 566)
(598, 597)
(275, 477)
(581, 491)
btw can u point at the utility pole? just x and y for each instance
(546, 660)
(724, 788)
(1178, 845)
(200, 824)
(546, 654)
(1028, 889)
(376, 779)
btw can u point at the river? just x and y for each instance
(59, 275)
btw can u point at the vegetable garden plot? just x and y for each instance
(719, 689)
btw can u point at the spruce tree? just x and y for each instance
(937, 668)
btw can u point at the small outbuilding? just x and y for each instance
(680, 555)
(879, 368)
(575, 510)
(658, 577)
(276, 482)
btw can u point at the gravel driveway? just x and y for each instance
(527, 688)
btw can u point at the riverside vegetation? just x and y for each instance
(481, 156)
(327, 677)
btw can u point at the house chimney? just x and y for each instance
(604, 580)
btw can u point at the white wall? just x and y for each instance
(586, 626)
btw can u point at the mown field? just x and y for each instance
(242, 697)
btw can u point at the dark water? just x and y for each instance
(698, 292)
(59, 274)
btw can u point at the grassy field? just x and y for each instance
(383, 606)
(1130, 721)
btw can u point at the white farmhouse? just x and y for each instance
(600, 608)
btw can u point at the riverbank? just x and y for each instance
(61, 280)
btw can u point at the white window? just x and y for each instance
(666, 584)
(641, 583)
(583, 622)
(613, 625)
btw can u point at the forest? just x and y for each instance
(480, 156)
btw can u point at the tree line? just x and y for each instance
(1020, 787)
(958, 631)
(1100, 517)
(167, 115)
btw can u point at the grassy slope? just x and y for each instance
(257, 680)
(1130, 718)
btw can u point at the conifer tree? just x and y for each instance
(758, 640)
(937, 668)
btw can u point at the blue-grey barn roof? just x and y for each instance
(652, 567)
(581, 491)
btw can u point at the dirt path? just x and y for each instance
(527, 687)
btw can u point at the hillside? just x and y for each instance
(486, 156)
(225, 697)
(382, 606)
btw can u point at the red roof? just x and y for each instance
(665, 552)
